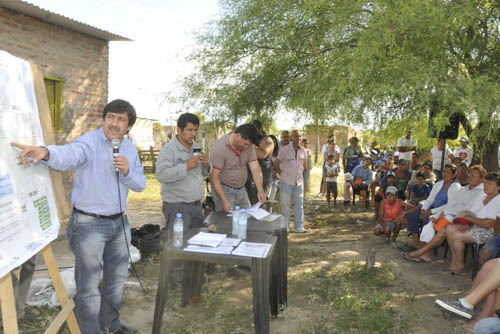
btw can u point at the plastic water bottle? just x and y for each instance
(178, 230)
(236, 216)
(242, 225)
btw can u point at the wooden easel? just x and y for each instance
(8, 304)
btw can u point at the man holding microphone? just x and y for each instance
(98, 231)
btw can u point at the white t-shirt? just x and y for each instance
(331, 169)
(406, 142)
(324, 149)
(465, 154)
(437, 155)
(490, 210)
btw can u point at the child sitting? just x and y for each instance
(347, 190)
(331, 172)
(391, 215)
(390, 180)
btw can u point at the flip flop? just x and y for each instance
(410, 258)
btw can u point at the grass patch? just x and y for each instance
(360, 298)
(152, 192)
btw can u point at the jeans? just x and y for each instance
(488, 326)
(297, 192)
(100, 249)
(234, 196)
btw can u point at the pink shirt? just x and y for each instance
(292, 164)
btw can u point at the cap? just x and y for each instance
(368, 158)
(347, 176)
(391, 190)
(463, 138)
(391, 173)
(402, 161)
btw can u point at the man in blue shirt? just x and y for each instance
(362, 175)
(97, 225)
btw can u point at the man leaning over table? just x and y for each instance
(230, 155)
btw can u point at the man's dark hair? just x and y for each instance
(121, 106)
(428, 164)
(256, 123)
(422, 175)
(331, 156)
(186, 118)
(248, 132)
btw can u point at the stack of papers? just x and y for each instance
(255, 211)
(212, 250)
(207, 239)
(216, 243)
(252, 249)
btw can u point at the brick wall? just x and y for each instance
(79, 59)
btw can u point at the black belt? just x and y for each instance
(225, 185)
(116, 215)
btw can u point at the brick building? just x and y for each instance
(73, 58)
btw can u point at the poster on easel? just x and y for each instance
(28, 213)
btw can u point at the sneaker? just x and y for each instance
(455, 306)
(300, 230)
(126, 330)
(393, 245)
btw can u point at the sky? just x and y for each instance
(144, 70)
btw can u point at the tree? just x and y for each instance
(360, 61)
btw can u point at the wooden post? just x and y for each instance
(153, 160)
(8, 305)
(50, 262)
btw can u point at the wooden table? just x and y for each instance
(274, 224)
(193, 266)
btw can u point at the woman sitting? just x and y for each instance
(480, 227)
(434, 204)
(465, 199)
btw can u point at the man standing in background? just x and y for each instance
(290, 164)
(406, 145)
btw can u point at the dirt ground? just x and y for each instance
(333, 239)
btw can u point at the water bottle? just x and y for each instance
(236, 215)
(178, 230)
(242, 225)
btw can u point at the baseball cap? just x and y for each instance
(391, 173)
(391, 190)
(463, 138)
(347, 176)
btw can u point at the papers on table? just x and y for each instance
(207, 239)
(252, 249)
(255, 211)
(212, 250)
(216, 243)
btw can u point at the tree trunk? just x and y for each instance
(490, 156)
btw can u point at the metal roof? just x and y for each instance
(61, 20)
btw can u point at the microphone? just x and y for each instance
(116, 149)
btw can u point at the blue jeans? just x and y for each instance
(297, 192)
(99, 248)
(488, 326)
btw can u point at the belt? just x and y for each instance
(116, 215)
(225, 185)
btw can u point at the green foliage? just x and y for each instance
(358, 296)
(357, 61)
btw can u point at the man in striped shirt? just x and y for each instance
(230, 155)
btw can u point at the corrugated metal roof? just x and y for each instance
(61, 20)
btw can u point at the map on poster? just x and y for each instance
(28, 213)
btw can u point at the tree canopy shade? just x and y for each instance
(359, 61)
